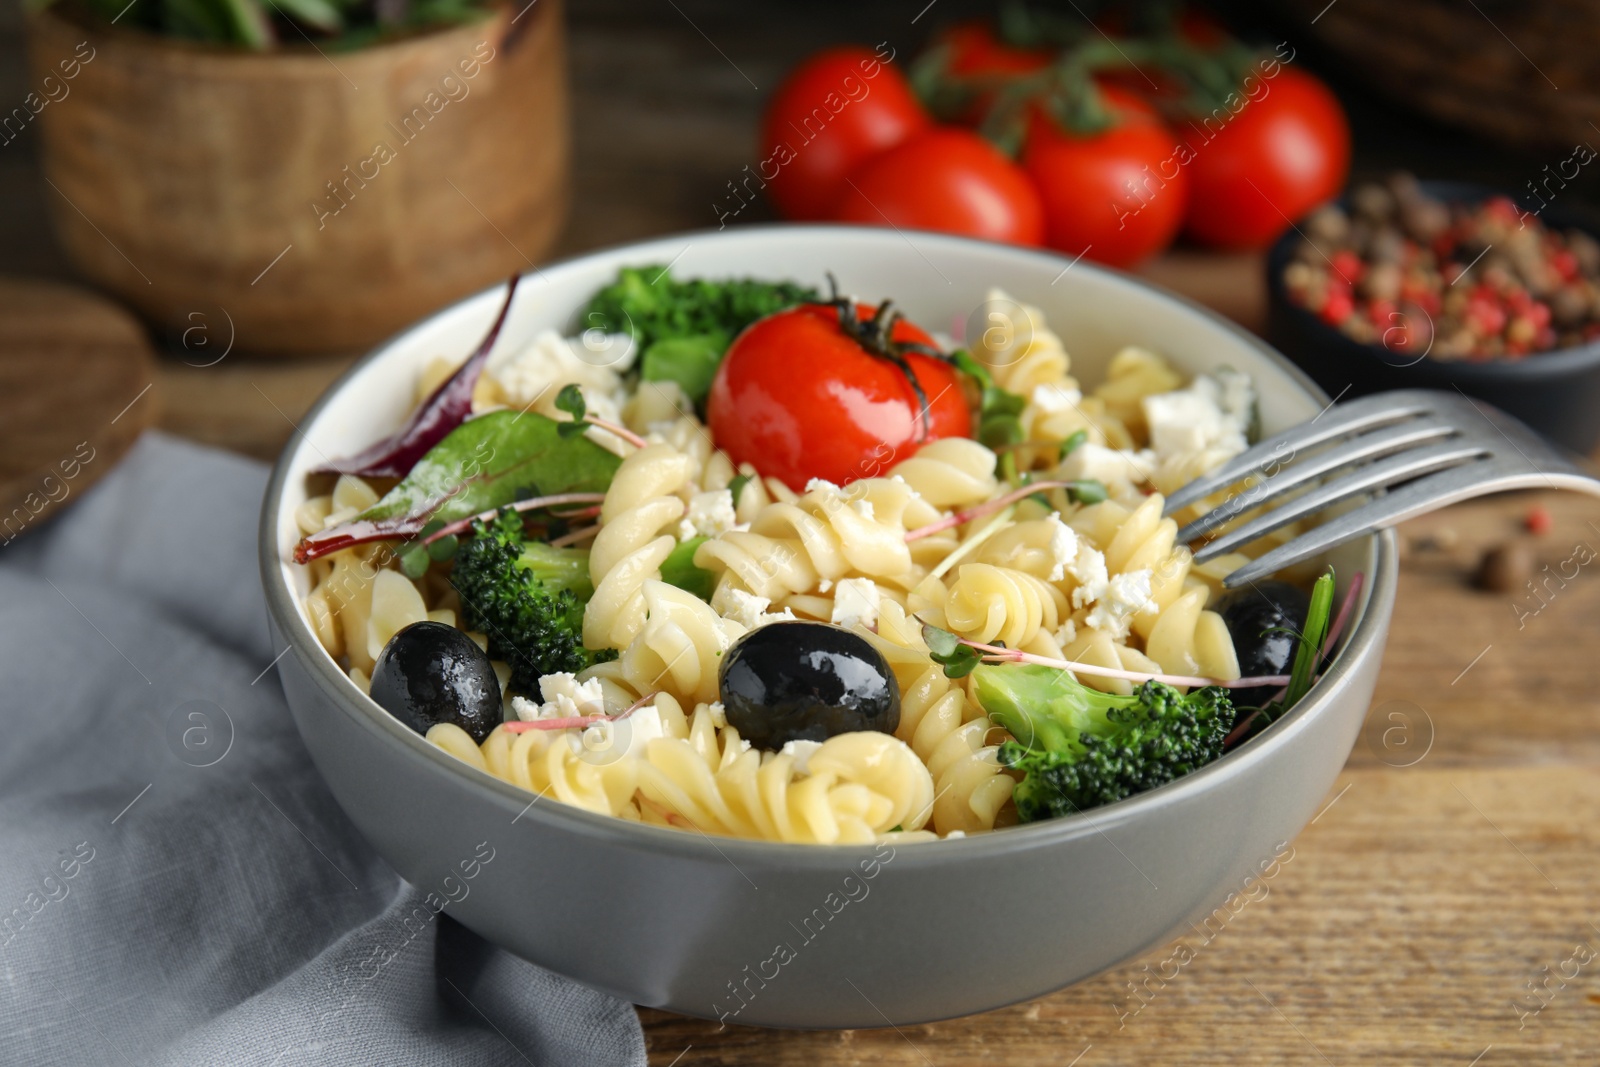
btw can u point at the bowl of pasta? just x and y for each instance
(797, 606)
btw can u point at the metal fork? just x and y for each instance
(1417, 450)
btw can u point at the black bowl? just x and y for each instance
(1556, 392)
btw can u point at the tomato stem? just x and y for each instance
(876, 337)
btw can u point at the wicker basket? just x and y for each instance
(1492, 66)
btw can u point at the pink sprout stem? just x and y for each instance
(621, 431)
(979, 510)
(995, 652)
(574, 537)
(576, 722)
(1345, 610)
(531, 504)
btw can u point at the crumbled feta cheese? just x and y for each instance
(570, 696)
(802, 752)
(863, 507)
(1210, 417)
(824, 584)
(856, 602)
(719, 714)
(1089, 571)
(1113, 468)
(749, 610)
(1052, 397)
(635, 732)
(822, 484)
(606, 742)
(743, 608)
(1067, 634)
(1063, 547)
(550, 361)
(1126, 595)
(954, 834)
(564, 698)
(708, 515)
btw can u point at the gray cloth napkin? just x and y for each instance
(158, 911)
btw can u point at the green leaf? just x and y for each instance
(946, 649)
(494, 460)
(998, 431)
(414, 560)
(679, 569)
(570, 400)
(316, 13)
(966, 363)
(999, 422)
(248, 23)
(1309, 654)
(1087, 491)
(689, 361)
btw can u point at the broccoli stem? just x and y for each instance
(557, 568)
(1044, 708)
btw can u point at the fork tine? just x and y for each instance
(1358, 449)
(1355, 416)
(1421, 496)
(1407, 465)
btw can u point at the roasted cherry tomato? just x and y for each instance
(1286, 151)
(800, 397)
(1116, 196)
(946, 179)
(834, 111)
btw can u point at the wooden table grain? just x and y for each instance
(1437, 909)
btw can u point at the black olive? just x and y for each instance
(1257, 617)
(806, 681)
(430, 673)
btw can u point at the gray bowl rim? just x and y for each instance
(1536, 368)
(1361, 641)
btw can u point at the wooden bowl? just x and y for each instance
(1492, 68)
(319, 200)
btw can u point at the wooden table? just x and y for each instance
(1454, 863)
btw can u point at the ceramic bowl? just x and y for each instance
(804, 936)
(1555, 392)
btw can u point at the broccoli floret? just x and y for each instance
(1079, 748)
(683, 327)
(528, 598)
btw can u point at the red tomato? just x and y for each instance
(975, 56)
(946, 179)
(975, 51)
(832, 113)
(799, 398)
(1281, 155)
(1116, 196)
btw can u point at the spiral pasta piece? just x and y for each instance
(826, 535)
(1019, 349)
(855, 787)
(678, 649)
(550, 763)
(629, 549)
(1133, 374)
(988, 603)
(952, 472)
